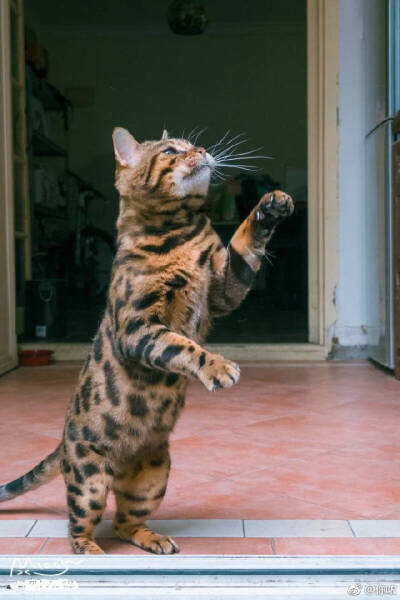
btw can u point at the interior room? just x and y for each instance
(95, 65)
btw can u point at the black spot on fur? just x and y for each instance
(170, 352)
(85, 393)
(119, 303)
(111, 386)
(120, 518)
(165, 404)
(109, 470)
(128, 289)
(169, 296)
(176, 282)
(147, 352)
(95, 505)
(76, 509)
(133, 497)
(73, 489)
(204, 255)
(89, 435)
(137, 405)
(81, 451)
(134, 325)
(171, 379)
(99, 450)
(140, 346)
(77, 529)
(146, 300)
(242, 271)
(139, 513)
(90, 469)
(72, 431)
(97, 398)
(78, 475)
(98, 347)
(111, 428)
(65, 467)
(202, 360)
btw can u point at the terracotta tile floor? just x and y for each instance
(301, 441)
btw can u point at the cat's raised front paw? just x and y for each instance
(272, 209)
(218, 372)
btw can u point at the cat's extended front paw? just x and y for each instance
(218, 372)
(273, 208)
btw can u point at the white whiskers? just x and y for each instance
(225, 155)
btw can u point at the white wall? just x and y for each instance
(350, 292)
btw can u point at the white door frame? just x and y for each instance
(8, 354)
(323, 85)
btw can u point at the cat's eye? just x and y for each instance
(170, 150)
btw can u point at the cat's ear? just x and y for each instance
(126, 148)
(164, 135)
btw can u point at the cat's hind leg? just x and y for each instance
(87, 487)
(138, 494)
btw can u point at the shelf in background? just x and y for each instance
(43, 146)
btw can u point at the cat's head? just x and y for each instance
(166, 168)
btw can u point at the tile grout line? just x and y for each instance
(28, 532)
(243, 528)
(351, 528)
(43, 545)
(272, 544)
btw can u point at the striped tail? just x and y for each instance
(44, 472)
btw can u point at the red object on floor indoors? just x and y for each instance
(35, 358)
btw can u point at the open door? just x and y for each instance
(8, 343)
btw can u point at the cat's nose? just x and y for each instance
(201, 150)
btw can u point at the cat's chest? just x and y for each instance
(186, 300)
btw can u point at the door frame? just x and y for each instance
(9, 359)
(323, 202)
(322, 101)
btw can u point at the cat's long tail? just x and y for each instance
(42, 473)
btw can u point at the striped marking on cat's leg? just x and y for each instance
(137, 496)
(235, 269)
(87, 489)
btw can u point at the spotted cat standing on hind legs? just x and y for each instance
(170, 277)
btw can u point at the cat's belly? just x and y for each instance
(141, 409)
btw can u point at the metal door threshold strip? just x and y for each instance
(209, 577)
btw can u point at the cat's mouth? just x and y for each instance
(196, 170)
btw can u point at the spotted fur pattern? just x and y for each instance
(170, 277)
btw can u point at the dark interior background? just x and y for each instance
(96, 64)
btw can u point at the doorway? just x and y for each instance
(246, 73)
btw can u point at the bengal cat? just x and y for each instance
(170, 277)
